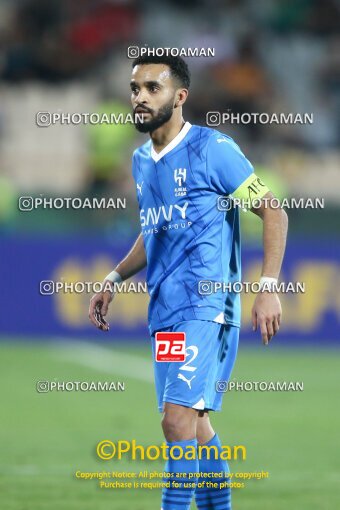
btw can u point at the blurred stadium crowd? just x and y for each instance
(71, 56)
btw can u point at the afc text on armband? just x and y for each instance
(255, 187)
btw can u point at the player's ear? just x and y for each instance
(181, 97)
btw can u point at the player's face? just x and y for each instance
(152, 95)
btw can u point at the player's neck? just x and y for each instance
(162, 136)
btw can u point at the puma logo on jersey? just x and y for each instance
(219, 140)
(139, 187)
(188, 381)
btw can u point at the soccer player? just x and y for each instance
(181, 172)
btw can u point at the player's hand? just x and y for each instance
(99, 306)
(266, 314)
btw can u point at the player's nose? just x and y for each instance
(142, 97)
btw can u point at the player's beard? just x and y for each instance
(164, 115)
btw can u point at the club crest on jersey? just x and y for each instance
(180, 175)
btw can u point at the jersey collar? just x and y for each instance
(183, 132)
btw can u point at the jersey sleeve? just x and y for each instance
(134, 165)
(229, 171)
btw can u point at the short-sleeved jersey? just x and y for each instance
(187, 238)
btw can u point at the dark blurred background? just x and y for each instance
(71, 56)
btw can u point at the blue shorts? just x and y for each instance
(211, 350)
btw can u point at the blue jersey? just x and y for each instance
(187, 238)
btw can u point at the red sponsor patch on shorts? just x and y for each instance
(170, 346)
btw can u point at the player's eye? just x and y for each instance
(134, 90)
(153, 88)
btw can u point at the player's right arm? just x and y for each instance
(134, 262)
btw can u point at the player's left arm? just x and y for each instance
(232, 174)
(266, 312)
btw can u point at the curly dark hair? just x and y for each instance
(179, 68)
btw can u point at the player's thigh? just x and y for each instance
(160, 374)
(187, 381)
(228, 352)
(227, 358)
